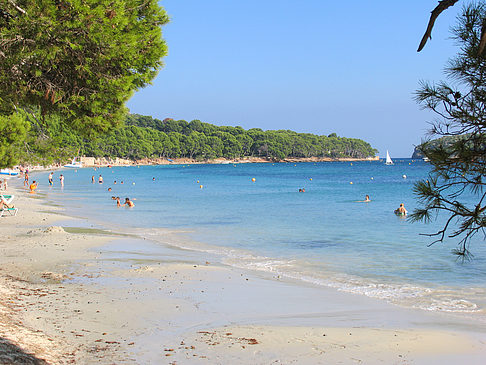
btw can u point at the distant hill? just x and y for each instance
(445, 141)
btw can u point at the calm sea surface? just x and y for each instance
(323, 236)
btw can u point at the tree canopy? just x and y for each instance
(456, 185)
(147, 137)
(80, 59)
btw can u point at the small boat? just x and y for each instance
(426, 159)
(9, 172)
(388, 159)
(74, 164)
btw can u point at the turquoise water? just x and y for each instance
(323, 236)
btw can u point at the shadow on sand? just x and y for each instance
(11, 354)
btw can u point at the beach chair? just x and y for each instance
(7, 199)
(8, 211)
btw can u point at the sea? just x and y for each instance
(252, 216)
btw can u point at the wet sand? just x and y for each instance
(86, 296)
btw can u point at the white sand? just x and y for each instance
(82, 298)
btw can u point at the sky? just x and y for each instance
(313, 66)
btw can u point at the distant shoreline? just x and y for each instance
(99, 162)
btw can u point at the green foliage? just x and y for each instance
(146, 137)
(81, 59)
(457, 181)
(13, 130)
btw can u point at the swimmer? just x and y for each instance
(401, 210)
(367, 200)
(109, 189)
(128, 203)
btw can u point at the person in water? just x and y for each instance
(100, 179)
(401, 210)
(128, 203)
(367, 199)
(61, 179)
(50, 178)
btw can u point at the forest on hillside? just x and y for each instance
(147, 137)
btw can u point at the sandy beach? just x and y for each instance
(73, 292)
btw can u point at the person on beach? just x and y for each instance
(50, 178)
(3, 203)
(61, 179)
(100, 179)
(26, 179)
(401, 210)
(32, 187)
(5, 184)
(92, 179)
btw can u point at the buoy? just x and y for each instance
(351, 164)
(253, 179)
(404, 176)
(133, 183)
(310, 179)
(200, 186)
(198, 181)
(351, 182)
(372, 178)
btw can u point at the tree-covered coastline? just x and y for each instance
(144, 137)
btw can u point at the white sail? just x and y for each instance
(388, 159)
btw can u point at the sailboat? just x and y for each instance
(388, 159)
(74, 164)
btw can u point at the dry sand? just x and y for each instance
(90, 298)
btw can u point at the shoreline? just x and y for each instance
(92, 162)
(71, 297)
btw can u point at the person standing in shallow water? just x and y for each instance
(61, 179)
(50, 178)
(92, 179)
(100, 179)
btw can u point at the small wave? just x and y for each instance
(407, 295)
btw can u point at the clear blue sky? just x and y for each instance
(311, 66)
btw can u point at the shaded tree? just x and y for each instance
(456, 185)
(81, 59)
